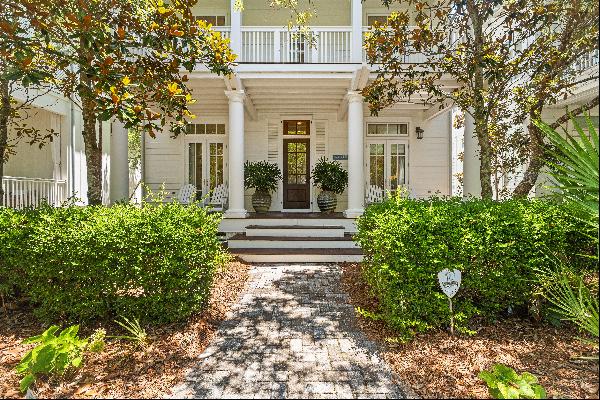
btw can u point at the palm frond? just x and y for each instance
(574, 168)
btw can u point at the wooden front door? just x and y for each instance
(296, 166)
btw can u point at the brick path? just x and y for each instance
(292, 335)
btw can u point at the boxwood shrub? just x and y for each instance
(82, 263)
(496, 245)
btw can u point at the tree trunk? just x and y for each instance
(536, 162)
(480, 106)
(93, 153)
(4, 116)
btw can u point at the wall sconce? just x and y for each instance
(420, 132)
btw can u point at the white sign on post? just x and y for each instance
(450, 283)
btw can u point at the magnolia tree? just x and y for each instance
(123, 60)
(507, 60)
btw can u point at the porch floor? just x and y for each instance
(295, 215)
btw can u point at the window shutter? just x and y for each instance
(273, 141)
(320, 139)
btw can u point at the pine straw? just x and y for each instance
(124, 370)
(436, 365)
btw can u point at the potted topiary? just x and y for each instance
(332, 179)
(263, 177)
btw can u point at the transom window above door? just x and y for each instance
(205, 129)
(214, 20)
(385, 129)
(296, 127)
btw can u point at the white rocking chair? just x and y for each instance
(187, 194)
(219, 197)
(374, 194)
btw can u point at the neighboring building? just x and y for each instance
(56, 171)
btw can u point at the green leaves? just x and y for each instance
(84, 263)
(52, 356)
(575, 168)
(498, 246)
(504, 383)
(329, 175)
(262, 176)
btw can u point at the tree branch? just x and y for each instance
(579, 110)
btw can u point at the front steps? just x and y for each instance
(294, 241)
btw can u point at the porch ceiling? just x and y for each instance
(296, 95)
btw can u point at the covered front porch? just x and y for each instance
(265, 116)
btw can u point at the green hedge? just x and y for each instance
(496, 245)
(82, 263)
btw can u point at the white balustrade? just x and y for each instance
(281, 45)
(588, 61)
(20, 192)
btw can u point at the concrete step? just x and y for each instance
(314, 255)
(329, 231)
(242, 241)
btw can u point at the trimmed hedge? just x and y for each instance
(82, 263)
(496, 245)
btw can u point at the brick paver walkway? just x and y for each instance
(292, 335)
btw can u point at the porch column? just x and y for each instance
(357, 39)
(235, 36)
(471, 162)
(236, 154)
(119, 163)
(356, 187)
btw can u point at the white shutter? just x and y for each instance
(320, 139)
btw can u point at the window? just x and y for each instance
(387, 129)
(379, 19)
(295, 127)
(205, 129)
(214, 20)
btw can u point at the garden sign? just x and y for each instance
(450, 283)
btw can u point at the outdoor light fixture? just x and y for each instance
(420, 132)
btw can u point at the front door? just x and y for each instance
(296, 165)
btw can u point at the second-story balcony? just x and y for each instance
(328, 45)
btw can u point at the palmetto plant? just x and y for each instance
(575, 168)
(575, 172)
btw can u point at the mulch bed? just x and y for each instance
(123, 370)
(436, 365)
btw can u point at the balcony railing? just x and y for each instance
(22, 192)
(588, 61)
(280, 45)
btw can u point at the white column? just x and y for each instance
(471, 162)
(235, 36)
(119, 163)
(236, 154)
(356, 186)
(357, 40)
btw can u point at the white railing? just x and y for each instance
(280, 45)
(22, 192)
(588, 61)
